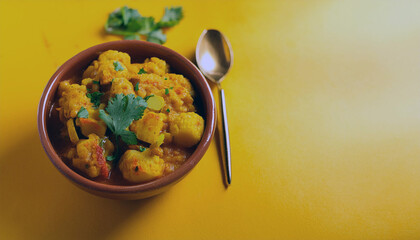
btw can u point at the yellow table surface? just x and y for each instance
(324, 112)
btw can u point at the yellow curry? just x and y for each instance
(126, 123)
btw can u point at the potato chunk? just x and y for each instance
(72, 98)
(90, 125)
(91, 157)
(187, 129)
(137, 166)
(121, 85)
(149, 127)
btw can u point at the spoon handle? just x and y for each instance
(225, 139)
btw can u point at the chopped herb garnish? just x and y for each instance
(136, 169)
(129, 23)
(166, 78)
(122, 110)
(95, 82)
(168, 110)
(147, 97)
(142, 71)
(95, 98)
(83, 113)
(142, 149)
(166, 91)
(136, 87)
(117, 66)
(171, 88)
(110, 158)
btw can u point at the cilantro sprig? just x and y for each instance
(129, 23)
(121, 111)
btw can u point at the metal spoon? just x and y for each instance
(214, 57)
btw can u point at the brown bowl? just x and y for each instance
(138, 50)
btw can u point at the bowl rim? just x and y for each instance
(184, 169)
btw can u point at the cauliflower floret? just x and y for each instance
(149, 127)
(156, 65)
(134, 69)
(178, 79)
(91, 157)
(139, 167)
(73, 97)
(121, 85)
(180, 99)
(88, 82)
(149, 84)
(112, 55)
(110, 64)
(186, 129)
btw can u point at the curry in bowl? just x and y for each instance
(125, 123)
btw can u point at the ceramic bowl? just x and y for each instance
(138, 51)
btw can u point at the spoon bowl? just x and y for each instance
(214, 55)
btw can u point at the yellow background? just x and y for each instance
(324, 112)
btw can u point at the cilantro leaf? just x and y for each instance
(117, 66)
(142, 149)
(125, 15)
(166, 91)
(83, 113)
(122, 110)
(146, 25)
(95, 98)
(128, 137)
(171, 17)
(142, 71)
(156, 36)
(136, 87)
